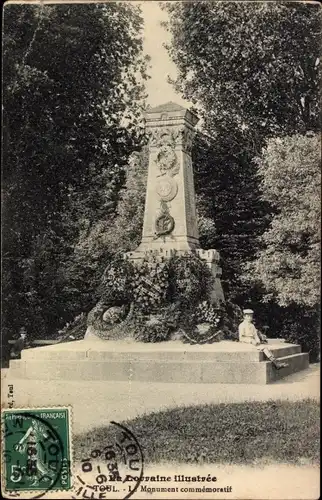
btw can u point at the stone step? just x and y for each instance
(281, 351)
(160, 370)
(296, 362)
(109, 352)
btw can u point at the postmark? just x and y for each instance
(114, 469)
(36, 451)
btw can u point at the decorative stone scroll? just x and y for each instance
(164, 136)
(172, 137)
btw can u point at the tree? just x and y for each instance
(74, 88)
(251, 69)
(288, 265)
(286, 269)
(125, 232)
(228, 192)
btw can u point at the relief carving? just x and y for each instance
(166, 188)
(167, 160)
(172, 137)
(164, 222)
(164, 136)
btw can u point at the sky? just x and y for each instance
(158, 89)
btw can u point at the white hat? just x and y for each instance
(248, 311)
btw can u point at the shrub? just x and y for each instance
(231, 316)
(301, 326)
(117, 282)
(295, 323)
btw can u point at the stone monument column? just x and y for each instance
(170, 218)
(170, 214)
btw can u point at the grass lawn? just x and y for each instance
(273, 431)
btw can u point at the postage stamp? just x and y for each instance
(36, 450)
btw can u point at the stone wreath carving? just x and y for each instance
(164, 223)
(167, 160)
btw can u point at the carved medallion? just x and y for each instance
(164, 224)
(167, 188)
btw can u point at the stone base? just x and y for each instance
(224, 362)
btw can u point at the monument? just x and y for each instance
(170, 217)
(169, 229)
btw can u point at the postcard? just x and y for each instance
(161, 250)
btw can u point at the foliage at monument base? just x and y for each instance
(301, 325)
(304, 330)
(156, 327)
(160, 300)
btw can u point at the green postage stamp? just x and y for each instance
(36, 449)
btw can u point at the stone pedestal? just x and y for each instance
(223, 362)
(170, 218)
